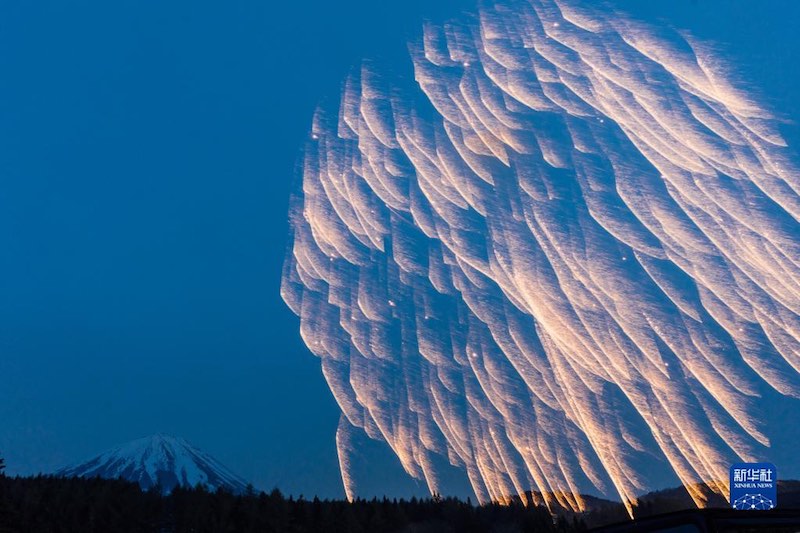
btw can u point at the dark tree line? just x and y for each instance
(50, 504)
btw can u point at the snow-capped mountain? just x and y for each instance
(159, 460)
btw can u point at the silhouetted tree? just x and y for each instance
(46, 503)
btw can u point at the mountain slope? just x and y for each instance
(159, 460)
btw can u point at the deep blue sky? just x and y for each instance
(147, 151)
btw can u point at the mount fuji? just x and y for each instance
(159, 460)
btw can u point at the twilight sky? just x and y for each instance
(147, 153)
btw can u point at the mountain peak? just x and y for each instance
(159, 460)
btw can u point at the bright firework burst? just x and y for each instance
(580, 270)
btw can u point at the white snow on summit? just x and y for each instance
(161, 460)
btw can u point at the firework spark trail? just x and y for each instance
(582, 270)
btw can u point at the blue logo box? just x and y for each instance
(754, 486)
